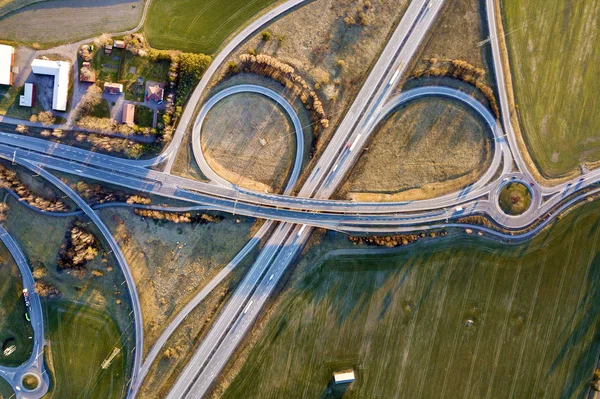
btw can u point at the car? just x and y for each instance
(26, 297)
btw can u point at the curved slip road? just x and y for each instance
(35, 364)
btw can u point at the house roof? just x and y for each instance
(26, 99)
(6, 61)
(119, 43)
(128, 113)
(155, 93)
(115, 86)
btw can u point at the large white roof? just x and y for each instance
(6, 57)
(60, 70)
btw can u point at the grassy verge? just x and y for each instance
(14, 328)
(515, 198)
(555, 79)
(477, 317)
(6, 390)
(144, 116)
(199, 27)
(82, 339)
(426, 148)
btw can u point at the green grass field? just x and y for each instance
(81, 338)
(197, 26)
(5, 389)
(554, 48)
(400, 321)
(14, 328)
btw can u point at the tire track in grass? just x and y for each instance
(553, 318)
(436, 325)
(458, 328)
(500, 341)
(566, 358)
(485, 316)
(232, 16)
(528, 330)
(189, 29)
(411, 330)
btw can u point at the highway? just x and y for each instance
(35, 365)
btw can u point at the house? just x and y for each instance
(86, 73)
(345, 377)
(7, 60)
(61, 71)
(113, 88)
(108, 48)
(155, 93)
(119, 44)
(128, 112)
(26, 99)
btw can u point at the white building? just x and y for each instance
(60, 70)
(343, 378)
(7, 59)
(26, 100)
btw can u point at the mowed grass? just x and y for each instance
(14, 328)
(400, 321)
(81, 338)
(554, 49)
(197, 26)
(5, 388)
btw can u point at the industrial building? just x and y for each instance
(26, 99)
(61, 71)
(7, 60)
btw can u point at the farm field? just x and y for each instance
(60, 21)
(14, 328)
(248, 140)
(401, 320)
(426, 148)
(7, 6)
(197, 26)
(5, 389)
(555, 79)
(81, 339)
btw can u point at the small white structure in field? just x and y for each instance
(7, 59)
(345, 377)
(60, 70)
(26, 100)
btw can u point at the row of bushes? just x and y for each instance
(463, 71)
(177, 217)
(10, 180)
(392, 240)
(80, 246)
(97, 194)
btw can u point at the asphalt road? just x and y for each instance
(35, 364)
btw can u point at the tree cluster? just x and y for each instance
(47, 290)
(362, 15)
(84, 53)
(97, 194)
(463, 71)
(10, 180)
(478, 220)
(3, 209)
(191, 69)
(44, 117)
(79, 247)
(391, 240)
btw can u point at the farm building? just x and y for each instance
(155, 93)
(119, 44)
(7, 60)
(26, 99)
(128, 112)
(345, 377)
(60, 70)
(113, 88)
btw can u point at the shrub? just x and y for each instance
(266, 36)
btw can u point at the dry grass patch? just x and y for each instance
(248, 140)
(173, 261)
(425, 149)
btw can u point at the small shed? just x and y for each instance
(344, 377)
(119, 44)
(26, 99)
(108, 48)
(113, 88)
(86, 73)
(128, 112)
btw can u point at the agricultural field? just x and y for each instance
(60, 21)
(478, 318)
(14, 328)
(426, 148)
(5, 389)
(82, 338)
(196, 26)
(248, 140)
(556, 80)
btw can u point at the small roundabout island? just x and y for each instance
(514, 198)
(30, 382)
